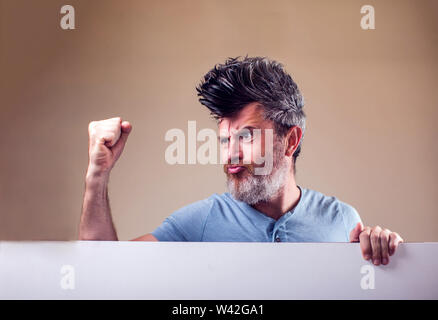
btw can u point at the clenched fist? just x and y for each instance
(107, 138)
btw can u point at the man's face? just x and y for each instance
(244, 139)
(255, 162)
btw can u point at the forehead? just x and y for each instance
(250, 116)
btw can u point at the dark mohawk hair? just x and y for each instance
(229, 87)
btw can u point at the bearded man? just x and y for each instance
(261, 122)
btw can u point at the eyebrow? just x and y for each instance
(250, 128)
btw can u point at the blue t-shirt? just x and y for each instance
(316, 218)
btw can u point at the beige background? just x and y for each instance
(371, 102)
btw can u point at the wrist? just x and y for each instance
(96, 177)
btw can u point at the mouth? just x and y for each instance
(235, 169)
(238, 167)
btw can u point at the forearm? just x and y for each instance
(96, 222)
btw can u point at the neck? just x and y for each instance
(287, 198)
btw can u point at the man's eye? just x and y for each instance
(223, 140)
(246, 136)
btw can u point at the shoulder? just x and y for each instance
(332, 207)
(313, 199)
(201, 209)
(197, 208)
(188, 222)
(316, 198)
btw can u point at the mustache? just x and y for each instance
(248, 166)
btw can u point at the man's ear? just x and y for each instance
(293, 138)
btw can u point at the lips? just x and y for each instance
(235, 169)
(238, 167)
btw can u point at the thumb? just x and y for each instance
(126, 128)
(354, 234)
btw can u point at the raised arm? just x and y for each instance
(107, 138)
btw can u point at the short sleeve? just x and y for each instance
(185, 224)
(351, 218)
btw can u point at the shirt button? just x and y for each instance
(278, 239)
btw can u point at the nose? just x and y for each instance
(235, 154)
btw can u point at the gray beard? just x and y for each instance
(260, 188)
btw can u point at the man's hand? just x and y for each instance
(376, 243)
(107, 138)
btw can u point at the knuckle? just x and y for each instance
(114, 125)
(384, 235)
(363, 236)
(395, 238)
(115, 120)
(375, 236)
(91, 125)
(96, 126)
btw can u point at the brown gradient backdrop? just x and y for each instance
(371, 102)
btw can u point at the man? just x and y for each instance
(250, 98)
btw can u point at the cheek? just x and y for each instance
(253, 152)
(223, 153)
(247, 152)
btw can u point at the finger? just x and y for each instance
(126, 127)
(365, 244)
(375, 244)
(118, 148)
(394, 241)
(354, 234)
(110, 138)
(112, 129)
(384, 245)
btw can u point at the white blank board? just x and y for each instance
(212, 270)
